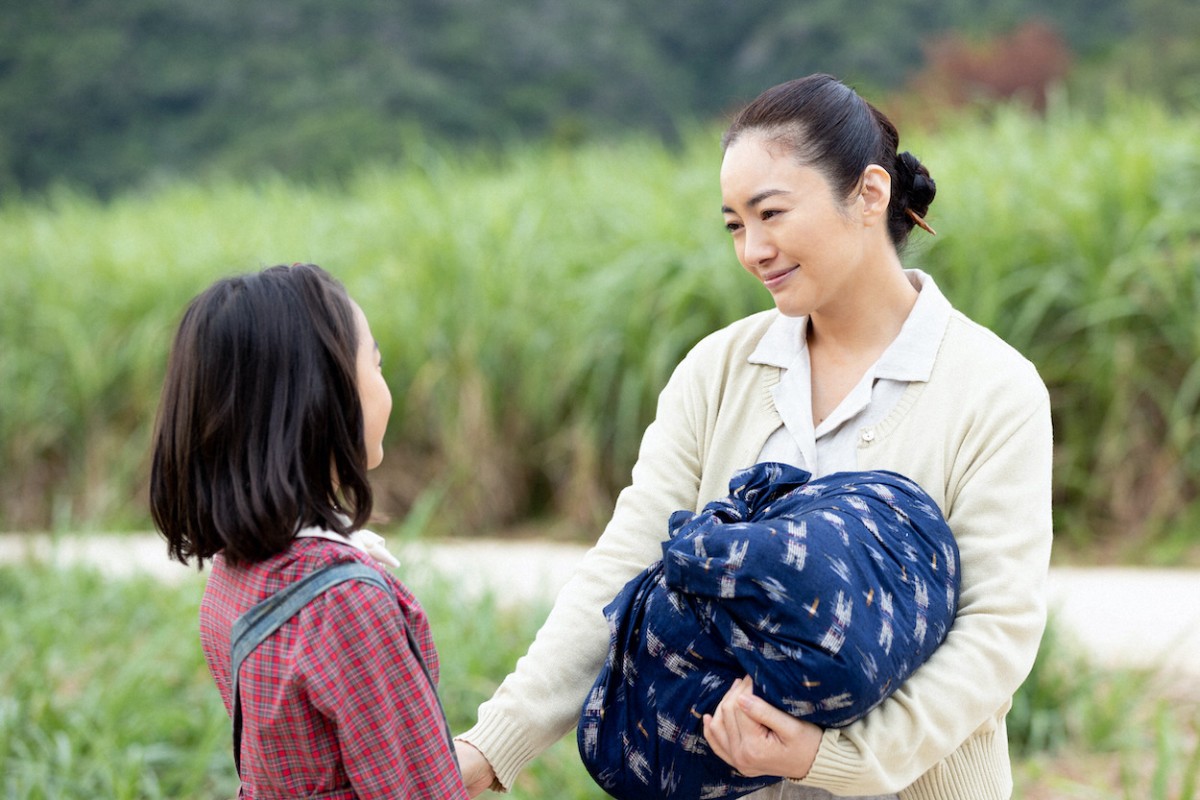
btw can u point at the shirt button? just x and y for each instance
(867, 435)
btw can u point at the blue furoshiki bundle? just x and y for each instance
(827, 592)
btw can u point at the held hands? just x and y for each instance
(756, 738)
(476, 771)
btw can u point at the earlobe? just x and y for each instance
(876, 192)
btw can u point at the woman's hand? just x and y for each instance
(756, 738)
(477, 773)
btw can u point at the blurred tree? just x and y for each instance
(105, 94)
(1023, 64)
(1161, 56)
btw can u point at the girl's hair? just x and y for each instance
(260, 427)
(827, 126)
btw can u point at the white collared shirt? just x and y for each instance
(362, 539)
(831, 446)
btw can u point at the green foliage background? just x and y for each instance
(522, 195)
(530, 305)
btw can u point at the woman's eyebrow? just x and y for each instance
(756, 199)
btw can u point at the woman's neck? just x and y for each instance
(842, 347)
(869, 319)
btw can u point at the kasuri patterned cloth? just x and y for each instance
(827, 592)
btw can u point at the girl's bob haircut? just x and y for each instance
(260, 429)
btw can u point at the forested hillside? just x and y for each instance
(105, 95)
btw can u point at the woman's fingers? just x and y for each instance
(764, 713)
(756, 738)
(722, 728)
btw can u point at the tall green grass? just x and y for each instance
(530, 306)
(1078, 240)
(528, 312)
(104, 693)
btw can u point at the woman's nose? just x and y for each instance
(757, 248)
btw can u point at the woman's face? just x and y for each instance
(788, 228)
(373, 392)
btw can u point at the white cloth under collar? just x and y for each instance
(369, 542)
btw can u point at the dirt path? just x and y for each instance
(1142, 618)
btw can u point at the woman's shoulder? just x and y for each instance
(978, 357)
(722, 358)
(738, 339)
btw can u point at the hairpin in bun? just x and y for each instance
(921, 223)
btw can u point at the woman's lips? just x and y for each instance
(773, 280)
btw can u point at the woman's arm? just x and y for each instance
(541, 700)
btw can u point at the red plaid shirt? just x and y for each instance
(334, 703)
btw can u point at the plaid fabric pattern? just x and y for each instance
(828, 593)
(334, 703)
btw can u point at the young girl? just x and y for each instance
(273, 410)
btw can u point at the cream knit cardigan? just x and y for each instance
(976, 436)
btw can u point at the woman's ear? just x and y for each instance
(875, 194)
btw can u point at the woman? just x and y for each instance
(862, 365)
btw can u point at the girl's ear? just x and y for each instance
(875, 194)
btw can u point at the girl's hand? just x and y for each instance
(758, 739)
(477, 773)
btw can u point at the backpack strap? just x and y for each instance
(257, 624)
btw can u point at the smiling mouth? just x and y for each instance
(773, 279)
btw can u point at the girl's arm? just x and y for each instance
(361, 674)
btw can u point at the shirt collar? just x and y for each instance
(909, 357)
(367, 541)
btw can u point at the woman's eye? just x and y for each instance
(733, 227)
(768, 213)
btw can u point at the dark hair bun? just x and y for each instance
(917, 188)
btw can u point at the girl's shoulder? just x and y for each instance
(259, 580)
(350, 597)
(312, 554)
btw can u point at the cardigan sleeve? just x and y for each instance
(996, 468)
(542, 698)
